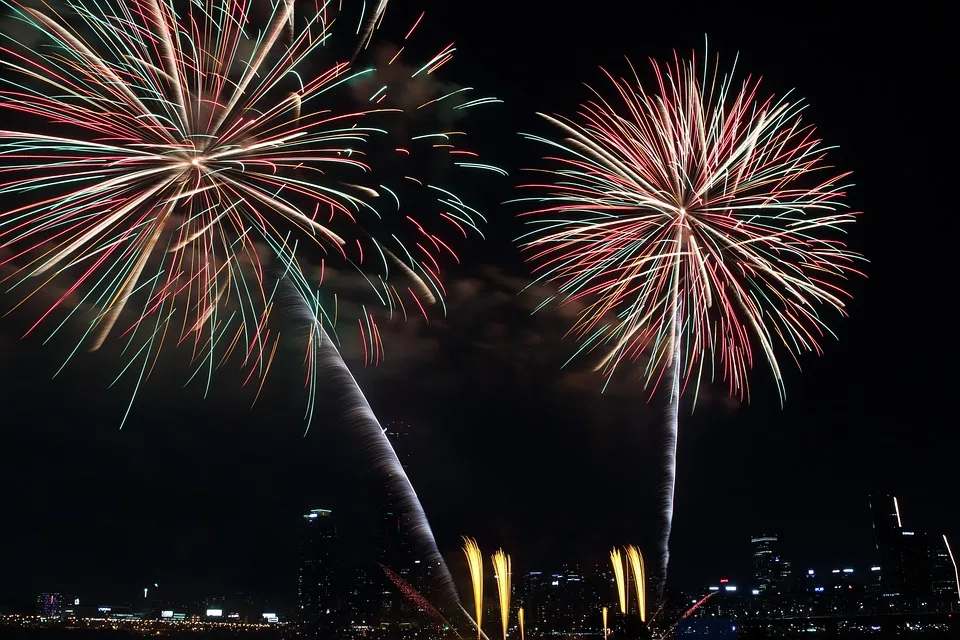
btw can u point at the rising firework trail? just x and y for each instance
(520, 620)
(503, 574)
(635, 560)
(694, 222)
(606, 625)
(475, 563)
(351, 408)
(620, 576)
(159, 158)
(415, 598)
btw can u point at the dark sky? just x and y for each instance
(205, 495)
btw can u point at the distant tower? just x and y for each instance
(318, 597)
(393, 550)
(766, 560)
(945, 578)
(887, 533)
(50, 605)
(917, 570)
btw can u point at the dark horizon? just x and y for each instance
(506, 445)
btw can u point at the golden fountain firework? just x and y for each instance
(635, 559)
(606, 629)
(619, 573)
(520, 618)
(475, 562)
(502, 569)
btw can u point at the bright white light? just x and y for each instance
(956, 575)
(730, 587)
(214, 613)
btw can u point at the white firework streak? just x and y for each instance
(352, 406)
(668, 489)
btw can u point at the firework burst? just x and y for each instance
(695, 223)
(163, 159)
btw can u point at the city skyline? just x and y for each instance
(205, 493)
(337, 580)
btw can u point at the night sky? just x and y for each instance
(205, 496)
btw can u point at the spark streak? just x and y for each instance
(502, 572)
(635, 559)
(475, 562)
(619, 574)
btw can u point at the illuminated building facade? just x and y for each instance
(531, 599)
(766, 563)
(319, 602)
(945, 581)
(918, 571)
(50, 605)
(887, 528)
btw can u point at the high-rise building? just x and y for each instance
(786, 581)
(398, 432)
(319, 568)
(531, 598)
(50, 605)
(917, 570)
(766, 572)
(945, 581)
(887, 528)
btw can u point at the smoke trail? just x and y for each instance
(352, 406)
(355, 409)
(669, 453)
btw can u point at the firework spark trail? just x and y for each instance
(366, 34)
(694, 223)
(475, 563)
(619, 574)
(356, 411)
(688, 613)
(521, 622)
(635, 559)
(163, 168)
(353, 409)
(606, 625)
(502, 572)
(668, 453)
(416, 598)
(480, 633)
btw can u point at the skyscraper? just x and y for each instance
(50, 605)
(766, 570)
(887, 528)
(393, 550)
(943, 573)
(917, 570)
(318, 597)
